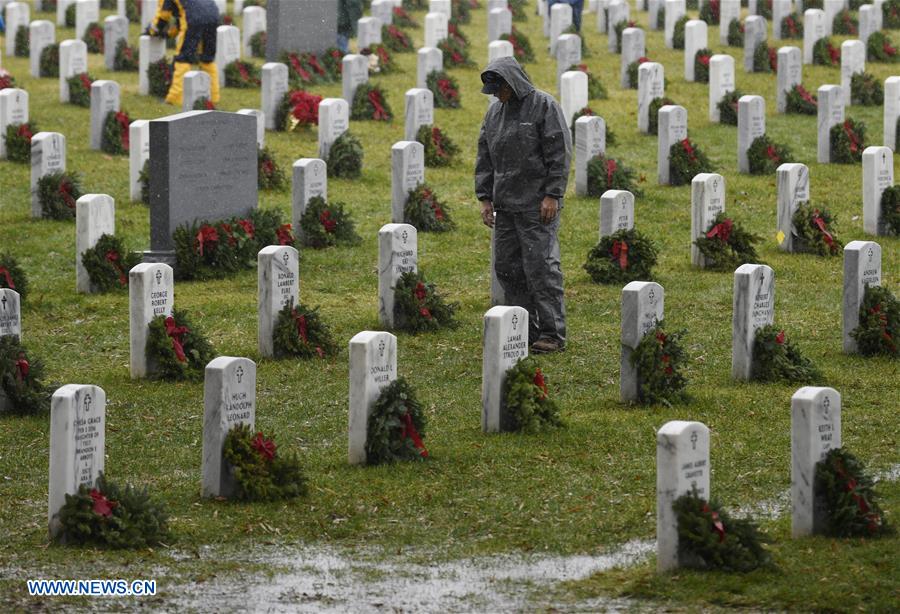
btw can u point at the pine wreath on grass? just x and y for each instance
(701, 65)
(455, 53)
(179, 351)
(653, 113)
(800, 101)
(385, 64)
(439, 149)
(633, 72)
(242, 75)
(49, 61)
(18, 141)
(461, 10)
(270, 176)
(708, 538)
(660, 17)
(879, 323)
(108, 262)
(418, 307)
(144, 180)
(792, 26)
(403, 19)
(825, 53)
(891, 14)
(396, 39)
(93, 38)
(890, 210)
(735, 33)
(22, 46)
(728, 108)
(845, 23)
(126, 58)
(108, 516)
(596, 91)
(260, 472)
(619, 28)
(764, 9)
(70, 16)
(298, 109)
(307, 69)
(445, 89)
(609, 174)
(370, 103)
(710, 12)
(6, 79)
(866, 89)
(300, 332)
(333, 61)
(659, 360)
(159, 77)
(765, 155)
(424, 211)
(522, 49)
(849, 497)
(396, 426)
(726, 245)
(686, 160)
(880, 48)
(116, 137)
(813, 229)
(527, 404)
(345, 158)
(21, 378)
(80, 90)
(765, 58)
(258, 44)
(326, 225)
(57, 194)
(678, 33)
(518, 9)
(776, 358)
(12, 275)
(622, 257)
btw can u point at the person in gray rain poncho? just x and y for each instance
(520, 178)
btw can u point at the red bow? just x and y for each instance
(704, 59)
(375, 98)
(24, 132)
(85, 81)
(805, 95)
(722, 230)
(620, 251)
(409, 430)
(65, 190)
(9, 280)
(300, 320)
(779, 338)
(247, 225)
(124, 122)
(206, 235)
(861, 503)
(264, 447)
(326, 221)
(298, 68)
(438, 139)
(854, 140)
(176, 334)
(112, 257)
(717, 524)
(689, 149)
(611, 168)
(891, 51)
(420, 292)
(284, 234)
(102, 505)
(834, 53)
(540, 383)
(820, 224)
(22, 368)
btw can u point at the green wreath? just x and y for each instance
(445, 89)
(701, 65)
(848, 140)
(776, 358)
(792, 26)
(325, 225)
(891, 14)
(21, 379)
(345, 158)
(653, 113)
(333, 62)
(132, 11)
(632, 71)
(49, 61)
(765, 155)
(404, 19)
(270, 176)
(93, 38)
(890, 210)
(426, 212)
(878, 331)
(624, 256)
(159, 78)
(455, 53)
(116, 137)
(107, 516)
(12, 275)
(866, 89)
(826, 54)
(418, 307)
(728, 108)
(260, 472)
(660, 17)
(686, 160)
(462, 11)
(813, 231)
(522, 49)
(735, 33)
(726, 245)
(880, 48)
(258, 44)
(619, 27)
(710, 12)
(370, 103)
(439, 149)
(18, 141)
(386, 64)
(300, 332)
(527, 404)
(849, 498)
(708, 538)
(70, 15)
(22, 46)
(765, 58)
(609, 174)
(798, 100)
(108, 262)
(242, 75)
(305, 69)
(845, 23)
(177, 348)
(596, 91)
(127, 58)
(80, 89)
(678, 33)
(204, 103)
(659, 360)
(57, 194)
(415, 5)
(518, 9)
(396, 39)
(396, 426)
(144, 180)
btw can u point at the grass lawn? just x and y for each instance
(581, 489)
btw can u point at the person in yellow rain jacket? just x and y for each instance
(198, 20)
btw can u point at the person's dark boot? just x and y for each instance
(546, 346)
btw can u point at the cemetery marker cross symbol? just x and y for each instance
(87, 403)
(515, 320)
(4, 303)
(715, 185)
(285, 257)
(652, 295)
(239, 372)
(871, 253)
(693, 440)
(883, 158)
(158, 277)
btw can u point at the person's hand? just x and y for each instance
(549, 209)
(487, 213)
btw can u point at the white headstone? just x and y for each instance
(48, 155)
(115, 29)
(633, 48)
(373, 366)
(274, 86)
(878, 175)
(651, 85)
(831, 113)
(754, 34)
(675, 10)
(891, 111)
(407, 172)
(618, 12)
(384, 11)
(41, 33)
(616, 212)
(61, 6)
(695, 39)
(682, 465)
(277, 285)
(260, 124)
(254, 21)
(435, 29)
(95, 216)
(653, 9)
(753, 307)
(368, 32)
(10, 313)
(18, 14)
(793, 190)
(398, 253)
(309, 179)
(568, 53)
(815, 430)
(590, 140)
(573, 93)
(151, 49)
(672, 128)
(505, 343)
(196, 86)
(853, 60)
(440, 6)
(229, 400)
(790, 73)
(428, 60)
(228, 48)
(86, 13)
(334, 120)
(354, 73)
(13, 110)
(77, 444)
(642, 309)
(707, 201)
(105, 99)
(751, 125)
(500, 49)
(138, 154)
(418, 111)
(813, 30)
(499, 23)
(560, 21)
(721, 82)
(148, 12)
(862, 267)
(729, 10)
(869, 22)
(151, 293)
(780, 10)
(831, 9)
(72, 61)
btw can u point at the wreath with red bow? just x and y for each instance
(116, 136)
(57, 194)
(418, 307)
(701, 65)
(242, 75)
(300, 332)
(709, 538)
(385, 63)
(880, 48)
(12, 275)
(866, 90)
(609, 174)
(799, 100)
(522, 50)
(80, 89)
(327, 224)
(890, 211)
(18, 141)
(849, 497)
(659, 360)
(455, 53)
(813, 230)
(765, 58)
(260, 473)
(107, 264)
(6, 79)
(845, 23)
(728, 108)
(93, 38)
(48, 64)
(878, 331)
(369, 102)
(527, 404)
(710, 13)
(21, 378)
(404, 19)
(633, 72)
(445, 89)
(269, 174)
(735, 33)
(177, 348)
(159, 78)
(726, 245)
(396, 427)
(624, 256)
(792, 26)
(776, 358)
(686, 160)
(298, 109)
(765, 156)
(308, 69)
(204, 103)
(439, 149)
(825, 53)
(891, 12)
(426, 212)
(126, 58)
(396, 39)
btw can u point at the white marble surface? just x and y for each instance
(780, 10)
(831, 113)
(853, 60)
(407, 172)
(891, 111)
(753, 307)
(254, 20)
(48, 155)
(616, 212)
(695, 39)
(86, 13)
(41, 33)
(505, 343)
(418, 110)
(13, 110)
(115, 28)
(10, 313)
(354, 72)
(138, 154)
(792, 180)
(653, 9)
(334, 120)
(729, 10)
(789, 74)
(877, 176)
(151, 293)
(228, 49)
(428, 60)
(751, 125)
(672, 129)
(633, 48)
(675, 10)
(435, 28)
(398, 253)
(568, 52)
(643, 304)
(573, 86)
(260, 118)
(95, 216)
(373, 365)
(196, 86)
(150, 50)
(831, 9)
(500, 49)
(862, 267)
(754, 33)
(560, 20)
(721, 81)
(707, 201)
(870, 20)
(590, 140)
(274, 86)
(105, 99)
(18, 14)
(309, 178)
(368, 32)
(651, 85)
(73, 61)
(277, 285)
(813, 30)
(618, 11)
(499, 23)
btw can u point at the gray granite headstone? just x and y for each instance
(72, 61)
(115, 29)
(642, 309)
(751, 125)
(792, 180)
(277, 285)
(41, 33)
(398, 253)
(151, 49)
(672, 128)
(616, 212)
(105, 99)
(151, 293)
(309, 179)
(707, 201)
(651, 85)
(187, 186)
(10, 313)
(590, 140)
(418, 111)
(373, 366)
(334, 120)
(48, 155)
(830, 113)
(138, 154)
(300, 26)
(721, 82)
(862, 267)
(407, 172)
(753, 307)
(229, 399)
(13, 110)
(878, 175)
(790, 73)
(95, 216)
(633, 48)
(505, 344)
